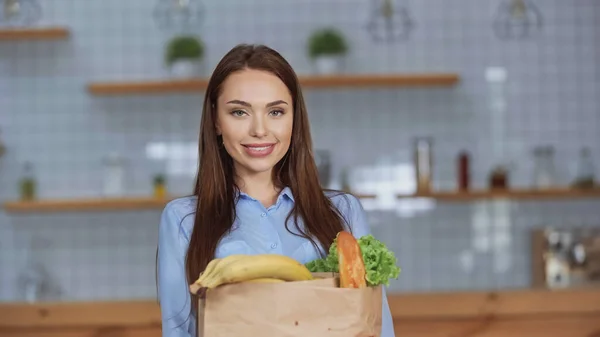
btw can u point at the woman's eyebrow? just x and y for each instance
(240, 102)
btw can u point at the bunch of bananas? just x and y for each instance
(263, 268)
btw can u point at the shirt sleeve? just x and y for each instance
(173, 293)
(357, 220)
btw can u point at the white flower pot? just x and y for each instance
(185, 68)
(328, 65)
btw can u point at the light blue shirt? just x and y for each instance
(257, 230)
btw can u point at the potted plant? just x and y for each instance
(327, 47)
(160, 186)
(183, 56)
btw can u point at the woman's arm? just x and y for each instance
(357, 220)
(174, 296)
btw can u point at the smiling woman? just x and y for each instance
(257, 189)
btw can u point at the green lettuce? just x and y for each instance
(380, 262)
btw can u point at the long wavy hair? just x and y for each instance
(215, 186)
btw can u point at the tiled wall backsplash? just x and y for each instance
(46, 117)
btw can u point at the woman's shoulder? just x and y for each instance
(352, 210)
(177, 215)
(344, 201)
(181, 206)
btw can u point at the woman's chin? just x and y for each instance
(257, 166)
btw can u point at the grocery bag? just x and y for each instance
(315, 308)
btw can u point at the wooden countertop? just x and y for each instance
(473, 310)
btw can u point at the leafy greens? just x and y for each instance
(380, 262)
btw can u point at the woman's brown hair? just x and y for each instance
(215, 185)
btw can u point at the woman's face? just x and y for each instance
(255, 118)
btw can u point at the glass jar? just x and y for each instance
(114, 175)
(423, 161)
(544, 172)
(585, 169)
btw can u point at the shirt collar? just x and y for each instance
(285, 192)
(288, 193)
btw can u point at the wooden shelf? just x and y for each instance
(349, 81)
(33, 33)
(383, 80)
(74, 205)
(147, 87)
(149, 203)
(517, 194)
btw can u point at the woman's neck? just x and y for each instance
(260, 187)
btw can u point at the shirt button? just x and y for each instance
(263, 214)
(273, 245)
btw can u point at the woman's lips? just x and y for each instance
(259, 150)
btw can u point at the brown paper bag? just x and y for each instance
(316, 308)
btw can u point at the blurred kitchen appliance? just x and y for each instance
(178, 16)
(19, 13)
(517, 19)
(389, 22)
(323, 161)
(566, 257)
(423, 161)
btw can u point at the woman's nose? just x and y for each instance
(258, 128)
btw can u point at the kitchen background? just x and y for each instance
(513, 94)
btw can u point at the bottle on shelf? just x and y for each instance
(464, 173)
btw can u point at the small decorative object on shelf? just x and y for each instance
(517, 19)
(178, 15)
(160, 186)
(389, 22)
(184, 56)
(19, 13)
(27, 183)
(327, 48)
(498, 179)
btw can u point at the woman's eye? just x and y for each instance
(238, 113)
(276, 113)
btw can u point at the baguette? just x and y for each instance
(351, 264)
